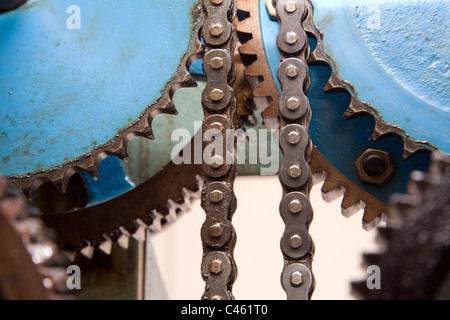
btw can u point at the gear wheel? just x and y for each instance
(416, 261)
(29, 168)
(266, 95)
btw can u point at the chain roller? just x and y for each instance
(295, 143)
(219, 171)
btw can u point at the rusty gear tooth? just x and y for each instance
(136, 227)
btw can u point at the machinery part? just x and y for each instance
(129, 214)
(78, 135)
(392, 54)
(100, 223)
(374, 166)
(219, 105)
(326, 115)
(31, 268)
(295, 143)
(417, 255)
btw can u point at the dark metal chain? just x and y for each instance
(295, 143)
(218, 199)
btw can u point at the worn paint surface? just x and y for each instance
(396, 55)
(342, 141)
(64, 92)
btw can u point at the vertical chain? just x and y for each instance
(219, 171)
(295, 143)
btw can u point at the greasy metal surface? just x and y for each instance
(416, 258)
(28, 256)
(80, 88)
(129, 213)
(395, 53)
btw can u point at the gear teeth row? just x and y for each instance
(36, 239)
(358, 108)
(354, 199)
(416, 253)
(265, 92)
(122, 236)
(117, 147)
(266, 96)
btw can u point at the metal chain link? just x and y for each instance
(218, 199)
(295, 143)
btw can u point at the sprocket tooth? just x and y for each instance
(106, 245)
(69, 254)
(88, 250)
(124, 239)
(156, 226)
(141, 231)
(247, 48)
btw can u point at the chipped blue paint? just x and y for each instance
(64, 92)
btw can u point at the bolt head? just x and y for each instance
(216, 95)
(293, 137)
(292, 71)
(293, 103)
(216, 2)
(295, 206)
(294, 171)
(291, 38)
(374, 167)
(296, 278)
(216, 266)
(295, 241)
(216, 30)
(216, 196)
(216, 230)
(290, 6)
(216, 63)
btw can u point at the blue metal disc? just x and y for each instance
(68, 86)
